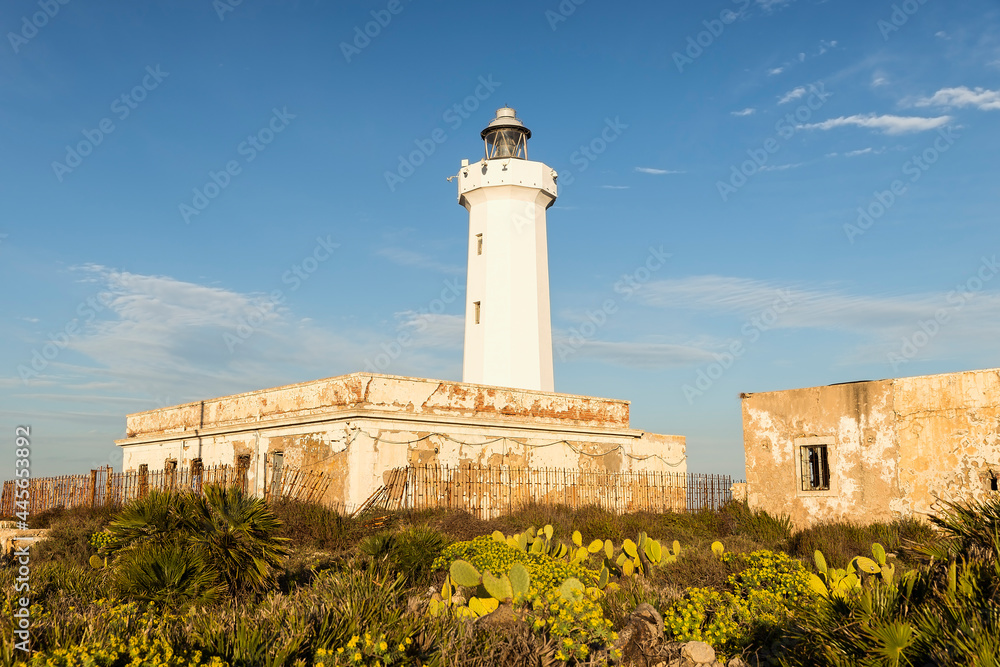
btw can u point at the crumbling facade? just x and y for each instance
(873, 451)
(355, 428)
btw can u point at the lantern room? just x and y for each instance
(506, 136)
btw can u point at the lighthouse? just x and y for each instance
(508, 328)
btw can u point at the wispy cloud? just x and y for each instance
(774, 71)
(616, 187)
(416, 260)
(781, 167)
(771, 5)
(749, 111)
(792, 95)
(159, 336)
(882, 319)
(887, 124)
(657, 172)
(962, 96)
(636, 354)
(861, 151)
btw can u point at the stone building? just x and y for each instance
(355, 428)
(875, 450)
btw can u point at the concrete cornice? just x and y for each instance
(347, 415)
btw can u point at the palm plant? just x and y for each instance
(185, 547)
(170, 575)
(236, 534)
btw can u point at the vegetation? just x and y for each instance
(225, 579)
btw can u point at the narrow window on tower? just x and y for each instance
(479, 244)
(476, 306)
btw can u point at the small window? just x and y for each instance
(170, 465)
(476, 306)
(815, 468)
(991, 482)
(479, 244)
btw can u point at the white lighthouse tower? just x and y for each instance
(508, 329)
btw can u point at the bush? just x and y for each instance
(315, 526)
(222, 534)
(69, 534)
(410, 552)
(841, 541)
(758, 525)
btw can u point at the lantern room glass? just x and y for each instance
(506, 142)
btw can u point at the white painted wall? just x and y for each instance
(511, 346)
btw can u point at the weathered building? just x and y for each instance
(877, 450)
(355, 428)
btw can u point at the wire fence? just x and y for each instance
(489, 491)
(106, 488)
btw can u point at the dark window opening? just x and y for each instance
(815, 468)
(477, 307)
(993, 483)
(479, 244)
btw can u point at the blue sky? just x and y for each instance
(223, 197)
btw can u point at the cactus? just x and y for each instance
(820, 561)
(97, 562)
(464, 573)
(498, 587)
(629, 547)
(653, 551)
(577, 538)
(718, 549)
(866, 565)
(571, 588)
(481, 607)
(520, 580)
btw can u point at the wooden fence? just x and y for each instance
(488, 492)
(104, 487)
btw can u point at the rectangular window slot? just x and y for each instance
(479, 244)
(476, 306)
(815, 468)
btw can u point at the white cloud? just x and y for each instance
(792, 95)
(657, 172)
(879, 80)
(416, 260)
(775, 71)
(860, 151)
(981, 98)
(743, 112)
(781, 167)
(888, 124)
(616, 187)
(158, 336)
(882, 321)
(771, 5)
(631, 353)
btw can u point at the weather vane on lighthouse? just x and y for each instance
(508, 328)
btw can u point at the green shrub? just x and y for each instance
(69, 534)
(841, 541)
(231, 536)
(315, 526)
(758, 525)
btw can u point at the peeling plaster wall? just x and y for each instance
(949, 436)
(863, 451)
(898, 445)
(375, 423)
